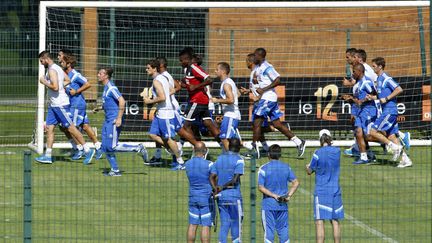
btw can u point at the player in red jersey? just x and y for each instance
(195, 82)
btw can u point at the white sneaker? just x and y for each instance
(180, 148)
(397, 152)
(405, 162)
(248, 145)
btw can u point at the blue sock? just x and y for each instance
(112, 160)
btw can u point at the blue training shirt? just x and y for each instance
(198, 173)
(386, 85)
(226, 166)
(275, 176)
(76, 82)
(364, 88)
(326, 165)
(110, 99)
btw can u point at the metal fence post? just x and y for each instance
(253, 198)
(27, 223)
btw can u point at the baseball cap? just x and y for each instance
(324, 131)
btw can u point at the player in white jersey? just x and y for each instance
(162, 127)
(58, 108)
(229, 100)
(268, 79)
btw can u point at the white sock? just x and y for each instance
(86, 148)
(363, 156)
(393, 146)
(72, 142)
(158, 153)
(180, 160)
(98, 145)
(48, 152)
(265, 145)
(80, 147)
(296, 140)
(401, 135)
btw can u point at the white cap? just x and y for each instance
(324, 131)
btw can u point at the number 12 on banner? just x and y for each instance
(321, 94)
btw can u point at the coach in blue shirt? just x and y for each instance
(328, 195)
(273, 179)
(225, 180)
(200, 190)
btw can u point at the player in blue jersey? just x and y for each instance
(114, 107)
(225, 181)
(78, 84)
(268, 79)
(367, 113)
(273, 180)
(327, 204)
(385, 128)
(200, 192)
(58, 109)
(162, 128)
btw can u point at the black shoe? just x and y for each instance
(154, 161)
(301, 148)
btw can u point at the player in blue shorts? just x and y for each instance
(229, 101)
(327, 204)
(162, 126)
(114, 107)
(273, 180)
(58, 109)
(74, 89)
(385, 128)
(200, 191)
(225, 181)
(367, 113)
(268, 106)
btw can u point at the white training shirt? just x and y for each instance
(174, 101)
(266, 74)
(253, 87)
(165, 108)
(230, 110)
(57, 98)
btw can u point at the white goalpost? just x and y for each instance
(308, 51)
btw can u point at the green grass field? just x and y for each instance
(76, 203)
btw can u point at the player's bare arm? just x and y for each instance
(160, 95)
(122, 103)
(53, 85)
(83, 88)
(206, 82)
(229, 96)
(274, 84)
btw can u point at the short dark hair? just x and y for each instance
(109, 71)
(162, 61)
(362, 54)
(351, 51)
(234, 145)
(66, 51)
(197, 59)
(225, 66)
(46, 54)
(325, 139)
(360, 67)
(71, 59)
(251, 58)
(154, 63)
(262, 51)
(380, 61)
(275, 151)
(188, 51)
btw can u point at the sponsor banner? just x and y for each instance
(307, 103)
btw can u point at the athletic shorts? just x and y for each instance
(200, 214)
(110, 136)
(228, 128)
(58, 115)
(79, 115)
(386, 123)
(275, 221)
(196, 111)
(265, 122)
(268, 109)
(162, 127)
(178, 121)
(364, 121)
(328, 207)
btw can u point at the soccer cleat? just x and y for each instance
(89, 156)
(178, 167)
(349, 152)
(99, 153)
(113, 173)
(78, 155)
(153, 161)
(301, 148)
(405, 161)
(44, 159)
(407, 140)
(360, 162)
(371, 156)
(143, 151)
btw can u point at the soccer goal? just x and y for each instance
(305, 42)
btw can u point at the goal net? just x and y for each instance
(305, 42)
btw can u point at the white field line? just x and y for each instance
(357, 222)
